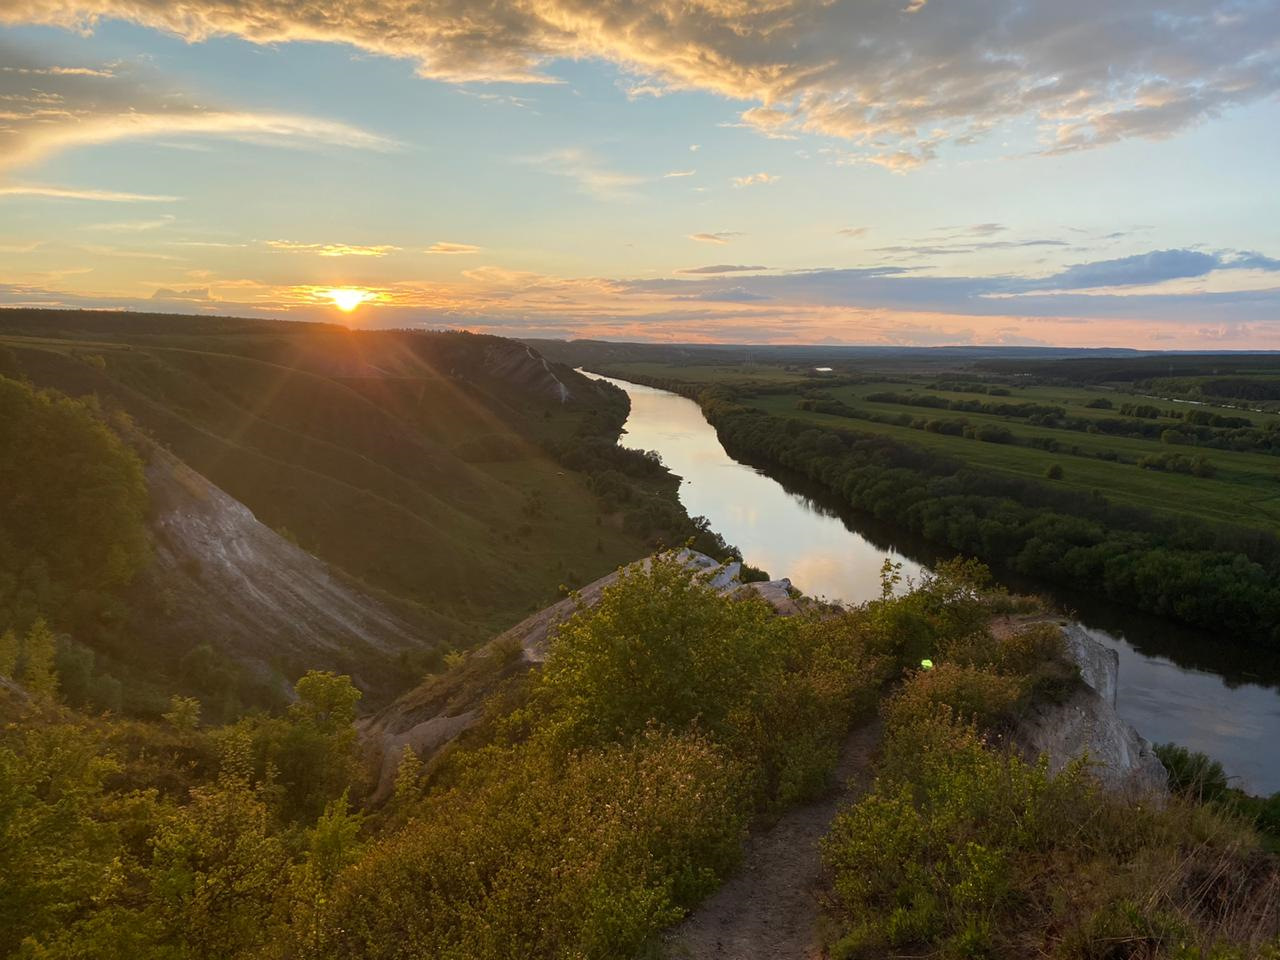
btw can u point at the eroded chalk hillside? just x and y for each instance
(221, 578)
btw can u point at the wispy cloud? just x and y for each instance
(723, 268)
(134, 226)
(754, 179)
(164, 293)
(852, 231)
(723, 236)
(591, 176)
(333, 249)
(49, 110)
(75, 193)
(445, 247)
(680, 173)
(55, 71)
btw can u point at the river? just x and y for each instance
(1174, 684)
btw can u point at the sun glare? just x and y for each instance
(347, 299)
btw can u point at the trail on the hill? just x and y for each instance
(769, 909)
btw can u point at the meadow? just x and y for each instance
(1244, 487)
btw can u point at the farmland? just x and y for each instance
(1094, 446)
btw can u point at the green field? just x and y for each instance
(1244, 488)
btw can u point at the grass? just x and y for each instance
(1246, 488)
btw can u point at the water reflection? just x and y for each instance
(1174, 684)
(786, 535)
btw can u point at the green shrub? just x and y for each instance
(1193, 773)
(964, 849)
(538, 855)
(72, 527)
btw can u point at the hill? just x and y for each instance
(452, 481)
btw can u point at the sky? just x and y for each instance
(914, 172)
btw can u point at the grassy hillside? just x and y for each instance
(460, 480)
(417, 463)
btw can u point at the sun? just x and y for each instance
(347, 299)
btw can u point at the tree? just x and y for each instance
(8, 654)
(315, 747)
(36, 657)
(217, 870)
(72, 527)
(661, 646)
(184, 713)
(1053, 471)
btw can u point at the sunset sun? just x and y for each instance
(347, 299)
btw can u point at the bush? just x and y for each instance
(963, 849)
(1193, 773)
(971, 693)
(72, 528)
(1053, 471)
(538, 855)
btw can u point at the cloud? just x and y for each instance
(732, 295)
(752, 179)
(47, 110)
(74, 193)
(133, 226)
(927, 249)
(680, 173)
(722, 268)
(333, 249)
(590, 175)
(445, 247)
(1250, 260)
(1143, 268)
(973, 230)
(54, 71)
(723, 236)
(772, 122)
(852, 231)
(1083, 74)
(166, 294)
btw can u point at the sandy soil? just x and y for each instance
(769, 909)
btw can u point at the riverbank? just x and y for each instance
(1175, 684)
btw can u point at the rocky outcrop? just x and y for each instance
(725, 578)
(1086, 723)
(435, 713)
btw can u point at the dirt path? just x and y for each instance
(769, 909)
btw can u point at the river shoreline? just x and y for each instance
(1174, 685)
